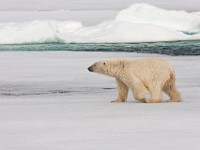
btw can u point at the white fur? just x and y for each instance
(142, 77)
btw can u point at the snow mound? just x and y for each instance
(138, 23)
(145, 13)
(35, 31)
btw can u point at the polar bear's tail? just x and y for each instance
(170, 88)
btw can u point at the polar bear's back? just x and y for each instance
(151, 61)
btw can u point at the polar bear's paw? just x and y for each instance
(117, 101)
(174, 100)
(143, 100)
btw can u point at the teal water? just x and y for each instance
(169, 48)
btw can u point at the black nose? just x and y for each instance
(90, 69)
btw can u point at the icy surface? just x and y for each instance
(138, 23)
(48, 100)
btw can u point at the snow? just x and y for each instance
(49, 100)
(138, 23)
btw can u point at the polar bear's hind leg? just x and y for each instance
(171, 90)
(155, 93)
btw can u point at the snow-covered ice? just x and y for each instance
(49, 100)
(137, 23)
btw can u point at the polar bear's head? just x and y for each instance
(108, 67)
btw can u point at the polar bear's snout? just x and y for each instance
(90, 69)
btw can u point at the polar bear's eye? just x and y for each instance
(104, 63)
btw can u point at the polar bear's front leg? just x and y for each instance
(122, 92)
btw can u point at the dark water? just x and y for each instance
(169, 48)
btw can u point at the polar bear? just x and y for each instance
(146, 76)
